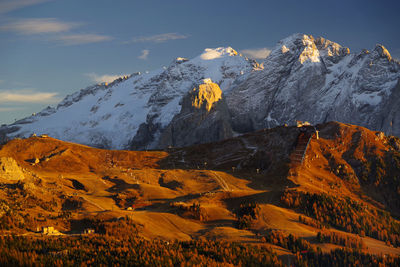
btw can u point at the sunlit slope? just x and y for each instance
(203, 191)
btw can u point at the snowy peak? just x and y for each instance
(331, 51)
(317, 80)
(305, 48)
(222, 65)
(310, 51)
(382, 52)
(330, 47)
(210, 54)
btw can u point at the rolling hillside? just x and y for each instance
(345, 192)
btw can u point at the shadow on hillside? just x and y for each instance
(119, 185)
(78, 226)
(220, 223)
(270, 197)
(212, 226)
(262, 157)
(77, 185)
(164, 204)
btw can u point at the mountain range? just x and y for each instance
(221, 94)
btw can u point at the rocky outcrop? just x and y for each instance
(10, 170)
(205, 95)
(204, 117)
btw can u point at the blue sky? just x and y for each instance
(51, 48)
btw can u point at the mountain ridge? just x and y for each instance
(304, 78)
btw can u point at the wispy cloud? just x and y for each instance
(77, 39)
(144, 55)
(158, 38)
(38, 26)
(11, 5)
(7, 109)
(102, 78)
(259, 53)
(55, 30)
(28, 96)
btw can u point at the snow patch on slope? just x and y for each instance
(210, 54)
(110, 116)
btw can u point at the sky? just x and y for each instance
(52, 48)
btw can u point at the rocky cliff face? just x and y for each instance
(204, 118)
(318, 81)
(304, 78)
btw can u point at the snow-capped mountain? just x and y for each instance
(318, 80)
(220, 94)
(132, 111)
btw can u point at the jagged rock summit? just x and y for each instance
(304, 78)
(318, 80)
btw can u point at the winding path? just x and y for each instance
(221, 181)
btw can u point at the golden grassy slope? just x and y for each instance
(88, 183)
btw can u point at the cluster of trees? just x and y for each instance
(379, 171)
(126, 199)
(21, 198)
(341, 239)
(385, 176)
(15, 204)
(108, 250)
(194, 211)
(72, 203)
(246, 214)
(345, 257)
(345, 214)
(307, 255)
(290, 242)
(118, 243)
(120, 229)
(16, 221)
(311, 222)
(12, 217)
